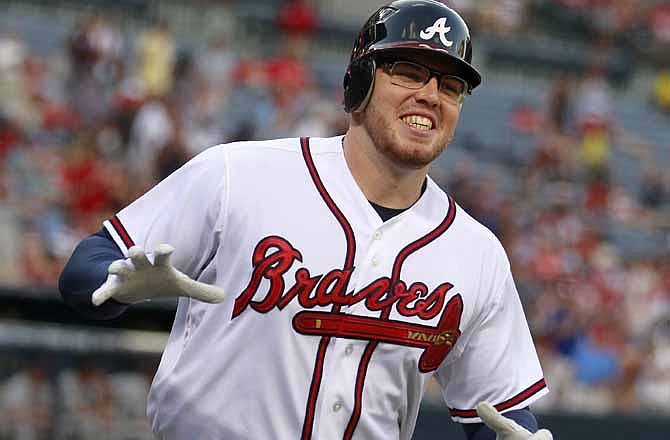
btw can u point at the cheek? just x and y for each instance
(451, 116)
(380, 113)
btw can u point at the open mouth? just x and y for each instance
(418, 122)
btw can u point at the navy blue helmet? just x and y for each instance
(426, 30)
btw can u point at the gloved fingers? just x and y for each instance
(121, 268)
(496, 421)
(542, 434)
(162, 255)
(205, 292)
(103, 293)
(139, 258)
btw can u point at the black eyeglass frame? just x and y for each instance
(388, 64)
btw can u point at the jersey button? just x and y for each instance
(375, 261)
(377, 235)
(337, 406)
(349, 349)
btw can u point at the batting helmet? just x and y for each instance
(407, 28)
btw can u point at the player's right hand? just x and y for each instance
(137, 279)
(506, 428)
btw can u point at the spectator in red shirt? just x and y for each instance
(84, 180)
(297, 17)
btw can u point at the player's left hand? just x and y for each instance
(508, 429)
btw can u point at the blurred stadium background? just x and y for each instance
(564, 152)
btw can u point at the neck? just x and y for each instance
(383, 182)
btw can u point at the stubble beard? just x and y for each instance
(386, 140)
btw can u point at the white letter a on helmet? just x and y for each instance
(440, 27)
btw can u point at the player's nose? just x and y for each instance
(429, 93)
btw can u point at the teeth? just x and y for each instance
(420, 122)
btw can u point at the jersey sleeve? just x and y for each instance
(498, 364)
(184, 210)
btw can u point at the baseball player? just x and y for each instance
(323, 281)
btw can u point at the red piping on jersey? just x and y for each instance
(358, 393)
(348, 265)
(118, 227)
(348, 231)
(421, 242)
(519, 398)
(372, 345)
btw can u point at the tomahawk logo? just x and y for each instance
(439, 27)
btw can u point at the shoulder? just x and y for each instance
(482, 235)
(475, 229)
(476, 237)
(274, 148)
(247, 148)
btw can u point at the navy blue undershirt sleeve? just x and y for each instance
(85, 271)
(479, 431)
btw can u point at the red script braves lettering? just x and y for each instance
(274, 256)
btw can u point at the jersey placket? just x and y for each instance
(337, 395)
(375, 263)
(319, 386)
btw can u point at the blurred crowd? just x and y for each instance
(78, 402)
(86, 129)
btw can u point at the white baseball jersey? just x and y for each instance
(334, 320)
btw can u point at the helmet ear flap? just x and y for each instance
(358, 84)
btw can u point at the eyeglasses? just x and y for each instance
(414, 76)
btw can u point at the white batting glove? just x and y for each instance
(506, 428)
(136, 279)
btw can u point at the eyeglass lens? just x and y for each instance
(415, 76)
